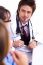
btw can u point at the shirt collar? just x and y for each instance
(20, 25)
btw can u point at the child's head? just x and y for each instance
(4, 42)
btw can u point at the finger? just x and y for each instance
(15, 57)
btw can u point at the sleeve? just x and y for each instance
(13, 30)
(9, 60)
(34, 34)
(38, 37)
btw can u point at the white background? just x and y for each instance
(37, 18)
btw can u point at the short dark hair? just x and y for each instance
(30, 3)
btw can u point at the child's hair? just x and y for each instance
(4, 42)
